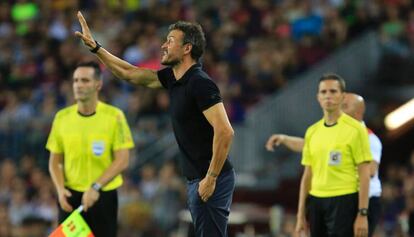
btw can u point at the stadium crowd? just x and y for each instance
(254, 48)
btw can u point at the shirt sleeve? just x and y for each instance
(306, 158)
(165, 76)
(54, 141)
(376, 147)
(360, 146)
(206, 93)
(122, 136)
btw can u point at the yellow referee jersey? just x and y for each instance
(333, 154)
(88, 144)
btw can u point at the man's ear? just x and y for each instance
(99, 85)
(188, 48)
(343, 96)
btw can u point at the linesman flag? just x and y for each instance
(73, 226)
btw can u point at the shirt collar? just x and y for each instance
(98, 105)
(187, 75)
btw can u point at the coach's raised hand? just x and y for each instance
(85, 35)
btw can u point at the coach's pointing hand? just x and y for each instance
(86, 35)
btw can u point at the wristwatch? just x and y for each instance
(96, 186)
(97, 47)
(363, 211)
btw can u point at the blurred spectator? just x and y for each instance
(409, 195)
(307, 22)
(169, 199)
(33, 227)
(392, 31)
(335, 30)
(410, 30)
(392, 206)
(19, 207)
(149, 184)
(7, 175)
(5, 225)
(23, 12)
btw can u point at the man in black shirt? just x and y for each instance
(200, 123)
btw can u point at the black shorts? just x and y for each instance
(332, 216)
(101, 217)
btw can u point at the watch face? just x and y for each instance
(96, 186)
(363, 212)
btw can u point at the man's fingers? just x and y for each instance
(78, 34)
(85, 202)
(66, 206)
(361, 233)
(269, 147)
(69, 207)
(67, 193)
(204, 196)
(86, 40)
(81, 36)
(82, 22)
(269, 144)
(85, 205)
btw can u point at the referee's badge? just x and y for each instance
(98, 147)
(335, 158)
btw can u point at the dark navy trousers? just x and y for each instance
(210, 218)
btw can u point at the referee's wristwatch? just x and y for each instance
(363, 211)
(96, 186)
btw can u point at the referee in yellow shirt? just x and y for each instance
(335, 183)
(89, 148)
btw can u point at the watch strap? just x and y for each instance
(96, 186)
(363, 211)
(97, 47)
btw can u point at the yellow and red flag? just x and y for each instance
(73, 226)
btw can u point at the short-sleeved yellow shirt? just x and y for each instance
(333, 154)
(88, 144)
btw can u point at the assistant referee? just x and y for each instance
(89, 148)
(335, 183)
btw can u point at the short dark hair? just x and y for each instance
(193, 34)
(97, 74)
(335, 77)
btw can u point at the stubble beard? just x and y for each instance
(171, 62)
